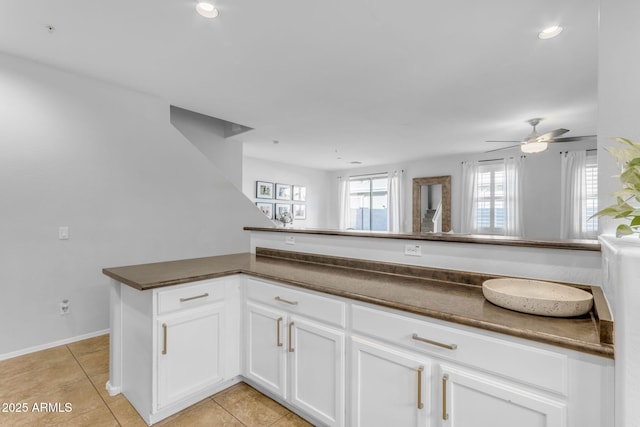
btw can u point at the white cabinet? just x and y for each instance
(179, 344)
(472, 400)
(264, 348)
(388, 387)
(300, 360)
(189, 354)
(316, 356)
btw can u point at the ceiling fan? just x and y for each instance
(537, 143)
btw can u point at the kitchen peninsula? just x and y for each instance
(271, 315)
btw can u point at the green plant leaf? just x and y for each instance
(623, 230)
(635, 221)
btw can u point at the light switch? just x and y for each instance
(63, 232)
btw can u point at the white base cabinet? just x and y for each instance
(177, 345)
(472, 400)
(174, 346)
(190, 354)
(388, 387)
(300, 360)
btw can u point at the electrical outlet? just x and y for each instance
(63, 232)
(290, 240)
(65, 307)
(413, 250)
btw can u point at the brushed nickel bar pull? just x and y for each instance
(445, 416)
(291, 349)
(286, 301)
(164, 340)
(420, 370)
(192, 298)
(439, 344)
(278, 326)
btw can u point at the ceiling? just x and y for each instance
(364, 80)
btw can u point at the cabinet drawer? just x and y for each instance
(190, 295)
(304, 303)
(529, 365)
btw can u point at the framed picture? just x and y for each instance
(299, 193)
(266, 208)
(282, 208)
(264, 190)
(299, 211)
(283, 192)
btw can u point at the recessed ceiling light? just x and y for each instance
(206, 9)
(356, 162)
(549, 33)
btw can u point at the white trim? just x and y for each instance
(52, 344)
(113, 391)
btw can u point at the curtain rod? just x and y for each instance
(495, 160)
(587, 150)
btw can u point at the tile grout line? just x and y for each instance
(93, 385)
(227, 411)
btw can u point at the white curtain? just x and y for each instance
(468, 224)
(394, 217)
(573, 193)
(514, 209)
(344, 221)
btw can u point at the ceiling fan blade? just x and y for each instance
(513, 142)
(503, 148)
(550, 135)
(573, 138)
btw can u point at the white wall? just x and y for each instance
(618, 112)
(106, 162)
(207, 134)
(541, 185)
(318, 183)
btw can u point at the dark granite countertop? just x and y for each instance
(572, 244)
(442, 294)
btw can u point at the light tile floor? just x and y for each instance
(76, 374)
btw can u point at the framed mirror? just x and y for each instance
(432, 204)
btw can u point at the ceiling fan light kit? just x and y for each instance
(534, 147)
(550, 32)
(206, 10)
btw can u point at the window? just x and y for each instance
(590, 205)
(368, 204)
(490, 206)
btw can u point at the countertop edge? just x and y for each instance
(575, 244)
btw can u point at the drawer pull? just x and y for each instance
(439, 344)
(286, 301)
(164, 339)
(445, 416)
(291, 349)
(192, 298)
(420, 370)
(278, 326)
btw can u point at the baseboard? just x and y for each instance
(112, 390)
(52, 344)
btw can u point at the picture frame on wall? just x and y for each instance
(299, 193)
(264, 190)
(283, 191)
(266, 208)
(281, 208)
(299, 211)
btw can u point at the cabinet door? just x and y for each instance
(189, 346)
(389, 388)
(316, 356)
(265, 347)
(471, 400)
